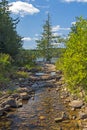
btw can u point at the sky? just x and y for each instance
(33, 14)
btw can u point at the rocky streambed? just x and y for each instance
(42, 102)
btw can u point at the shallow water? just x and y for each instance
(38, 113)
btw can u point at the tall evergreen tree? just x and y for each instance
(44, 44)
(10, 41)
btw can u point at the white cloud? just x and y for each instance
(26, 39)
(57, 34)
(68, 1)
(57, 28)
(35, 38)
(73, 23)
(23, 8)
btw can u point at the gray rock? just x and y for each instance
(9, 101)
(82, 115)
(76, 103)
(15, 96)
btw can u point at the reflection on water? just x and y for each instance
(38, 113)
(39, 74)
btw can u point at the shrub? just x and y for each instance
(74, 60)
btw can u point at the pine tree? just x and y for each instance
(44, 44)
(10, 41)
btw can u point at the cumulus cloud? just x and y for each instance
(68, 1)
(23, 8)
(26, 39)
(58, 28)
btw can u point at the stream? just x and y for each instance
(38, 113)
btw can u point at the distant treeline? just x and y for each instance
(56, 52)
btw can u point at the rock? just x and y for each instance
(62, 117)
(42, 117)
(7, 107)
(1, 111)
(67, 100)
(24, 96)
(82, 115)
(9, 101)
(58, 78)
(76, 103)
(21, 90)
(19, 103)
(57, 89)
(15, 96)
(74, 117)
(73, 109)
(58, 119)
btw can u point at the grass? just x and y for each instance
(22, 74)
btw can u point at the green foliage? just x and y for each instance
(11, 91)
(10, 41)
(44, 44)
(22, 74)
(74, 61)
(5, 66)
(25, 58)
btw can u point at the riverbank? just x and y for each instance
(45, 93)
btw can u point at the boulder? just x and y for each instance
(76, 103)
(9, 101)
(24, 96)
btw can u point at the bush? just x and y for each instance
(74, 60)
(5, 66)
(22, 74)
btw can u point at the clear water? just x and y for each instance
(38, 113)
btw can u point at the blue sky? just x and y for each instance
(33, 13)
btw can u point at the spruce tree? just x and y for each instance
(45, 43)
